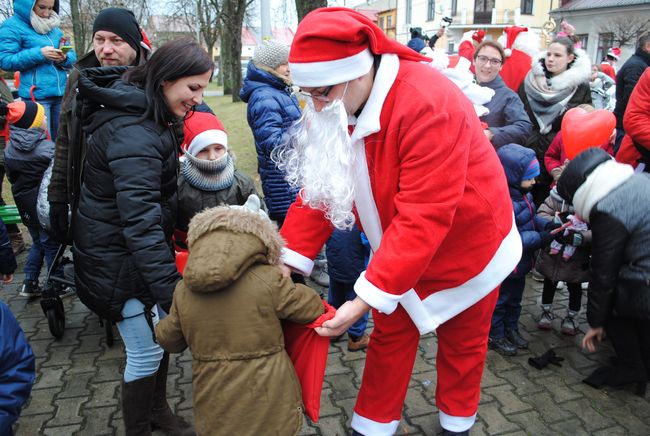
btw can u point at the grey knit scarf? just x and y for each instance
(546, 103)
(209, 175)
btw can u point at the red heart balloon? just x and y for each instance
(582, 129)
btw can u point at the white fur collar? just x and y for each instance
(579, 72)
(604, 179)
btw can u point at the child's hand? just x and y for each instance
(7, 278)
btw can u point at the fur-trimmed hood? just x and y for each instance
(224, 242)
(579, 71)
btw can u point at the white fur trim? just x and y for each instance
(205, 138)
(367, 426)
(377, 298)
(604, 179)
(443, 305)
(297, 261)
(579, 72)
(456, 423)
(326, 73)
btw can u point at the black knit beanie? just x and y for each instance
(121, 22)
(577, 171)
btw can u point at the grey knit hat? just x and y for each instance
(271, 54)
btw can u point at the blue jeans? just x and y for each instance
(339, 293)
(508, 309)
(52, 106)
(42, 247)
(143, 355)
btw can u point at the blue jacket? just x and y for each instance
(20, 50)
(271, 111)
(507, 120)
(347, 255)
(17, 369)
(515, 159)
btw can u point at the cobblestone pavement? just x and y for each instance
(78, 382)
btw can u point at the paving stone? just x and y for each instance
(559, 389)
(51, 377)
(103, 394)
(341, 387)
(327, 407)
(109, 370)
(584, 409)
(76, 385)
(573, 426)
(67, 412)
(97, 421)
(59, 356)
(531, 422)
(186, 395)
(629, 422)
(495, 421)
(611, 431)
(508, 401)
(61, 431)
(332, 426)
(523, 385)
(40, 402)
(548, 410)
(88, 344)
(32, 424)
(82, 363)
(416, 403)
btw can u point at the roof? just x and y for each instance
(579, 5)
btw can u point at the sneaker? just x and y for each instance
(320, 276)
(502, 346)
(30, 289)
(537, 276)
(569, 325)
(358, 343)
(67, 292)
(515, 338)
(545, 321)
(17, 242)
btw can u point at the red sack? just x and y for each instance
(308, 352)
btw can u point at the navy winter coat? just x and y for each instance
(271, 111)
(507, 120)
(7, 257)
(17, 369)
(346, 255)
(27, 156)
(515, 159)
(20, 49)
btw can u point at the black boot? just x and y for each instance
(162, 417)
(137, 397)
(502, 346)
(454, 433)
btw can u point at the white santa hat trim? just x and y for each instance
(206, 138)
(326, 73)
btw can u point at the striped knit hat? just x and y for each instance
(23, 114)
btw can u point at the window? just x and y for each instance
(454, 7)
(584, 39)
(409, 11)
(527, 7)
(605, 41)
(483, 11)
(381, 23)
(431, 10)
(389, 21)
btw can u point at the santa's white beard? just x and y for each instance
(319, 159)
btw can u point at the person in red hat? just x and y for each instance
(412, 165)
(208, 177)
(520, 46)
(608, 65)
(469, 43)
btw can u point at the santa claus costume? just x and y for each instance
(607, 66)
(433, 200)
(468, 45)
(520, 46)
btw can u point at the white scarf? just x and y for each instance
(44, 25)
(604, 179)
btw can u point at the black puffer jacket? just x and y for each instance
(127, 204)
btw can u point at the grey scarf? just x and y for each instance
(209, 175)
(546, 103)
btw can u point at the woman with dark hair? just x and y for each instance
(124, 263)
(557, 82)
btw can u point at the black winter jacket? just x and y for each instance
(27, 156)
(127, 204)
(626, 80)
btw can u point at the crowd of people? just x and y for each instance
(350, 147)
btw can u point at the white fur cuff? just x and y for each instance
(375, 297)
(297, 261)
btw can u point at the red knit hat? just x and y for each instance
(336, 45)
(511, 35)
(478, 35)
(202, 129)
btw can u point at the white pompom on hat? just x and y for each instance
(202, 129)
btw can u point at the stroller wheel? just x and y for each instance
(110, 339)
(56, 319)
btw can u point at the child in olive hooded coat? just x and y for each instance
(228, 309)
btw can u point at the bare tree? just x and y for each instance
(625, 30)
(303, 7)
(6, 9)
(200, 15)
(233, 13)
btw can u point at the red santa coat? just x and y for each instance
(515, 69)
(608, 69)
(431, 196)
(637, 123)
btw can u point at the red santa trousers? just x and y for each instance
(462, 347)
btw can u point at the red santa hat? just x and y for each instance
(336, 45)
(478, 35)
(145, 43)
(511, 35)
(614, 52)
(200, 130)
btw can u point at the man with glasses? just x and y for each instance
(426, 186)
(507, 122)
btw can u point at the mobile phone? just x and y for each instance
(65, 48)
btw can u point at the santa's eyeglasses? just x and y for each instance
(320, 96)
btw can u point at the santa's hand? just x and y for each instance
(346, 315)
